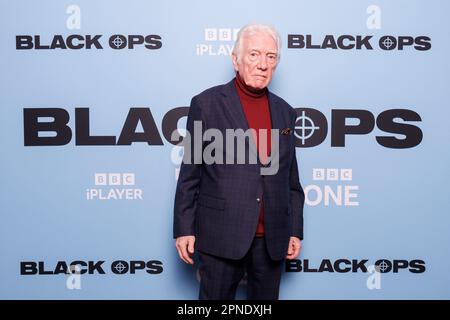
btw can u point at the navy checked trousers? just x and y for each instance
(220, 277)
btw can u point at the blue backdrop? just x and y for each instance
(370, 201)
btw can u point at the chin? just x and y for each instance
(259, 85)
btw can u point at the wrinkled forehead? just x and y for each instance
(260, 41)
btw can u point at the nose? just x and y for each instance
(262, 62)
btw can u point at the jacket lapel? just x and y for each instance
(234, 106)
(275, 115)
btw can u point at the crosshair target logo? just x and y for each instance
(388, 43)
(306, 129)
(383, 265)
(119, 267)
(117, 41)
(311, 127)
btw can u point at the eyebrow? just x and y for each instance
(268, 52)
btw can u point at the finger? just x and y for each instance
(191, 246)
(296, 249)
(290, 256)
(185, 255)
(181, 256)
(178, 246)
(296, 252)
(181, 247)
(290, 248)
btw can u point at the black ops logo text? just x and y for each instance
(90, 267)
(87, 42)
(358, 42)
(355, 265)
(398, 126)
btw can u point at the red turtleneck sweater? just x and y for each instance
(257, 112)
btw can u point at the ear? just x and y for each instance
(235, 62)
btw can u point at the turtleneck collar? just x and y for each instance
(248, 91)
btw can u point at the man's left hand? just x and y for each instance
(294, 248)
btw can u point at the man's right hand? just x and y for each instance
(185, 247)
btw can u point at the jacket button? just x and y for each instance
(258, 200)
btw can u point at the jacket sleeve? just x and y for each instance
(297, 198)
(189, 177)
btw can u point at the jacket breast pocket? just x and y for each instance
(211, 202)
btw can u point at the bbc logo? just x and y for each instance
(332, 174)
(221, 34)
(114, 179)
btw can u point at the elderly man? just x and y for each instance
(240, 219)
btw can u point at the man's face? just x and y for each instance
(258, 60)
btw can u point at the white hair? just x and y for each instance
(251, 29)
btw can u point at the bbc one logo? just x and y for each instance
(217, 42)
(114, 186)
(338, 188)
(88, 42)
(358, 42)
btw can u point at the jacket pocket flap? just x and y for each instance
(211, 202)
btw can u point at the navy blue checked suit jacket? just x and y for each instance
(220, 203)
